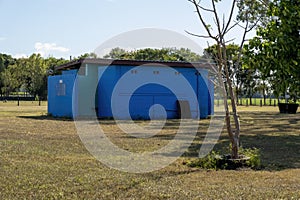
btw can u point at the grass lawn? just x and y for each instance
(43, 158)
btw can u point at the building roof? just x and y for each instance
(106, 62)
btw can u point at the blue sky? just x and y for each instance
(62, 28)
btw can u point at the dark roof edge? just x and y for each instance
(77, 63)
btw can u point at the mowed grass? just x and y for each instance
(44, 158)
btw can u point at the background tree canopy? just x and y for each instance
(29, 74)
(164, 54)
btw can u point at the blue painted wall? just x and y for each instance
(60, 90)
(144, 101)
(149, 100)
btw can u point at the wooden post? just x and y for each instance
(261, 102)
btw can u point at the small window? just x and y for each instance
(61, 89)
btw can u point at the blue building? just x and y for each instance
(124, 89)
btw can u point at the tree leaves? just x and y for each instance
(275, 50)
(164, 54)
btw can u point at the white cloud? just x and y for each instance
(3, 38)
(48, 48)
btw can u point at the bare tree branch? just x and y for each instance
(217, 19)
(201, 7)
(243, 27)
(255, 24)
(228, 41)
(223, 25)
(231, 27)
(202, 20)
(230, 16)
(196, 35)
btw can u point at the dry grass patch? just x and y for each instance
(43, 158)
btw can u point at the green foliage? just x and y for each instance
(5, 61)
(249, 158)
(253, 11)
(208, 162)
(28, 73)
(87, 55)
(243, 79)
(276, 49)
(164, 54)
(117, 53)
(52, 62)
(254, 157)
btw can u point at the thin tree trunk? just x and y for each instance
(236, 135)
(233, 135)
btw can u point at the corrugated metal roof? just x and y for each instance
(106, 62)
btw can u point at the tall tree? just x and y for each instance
(35, 75)
(276, 49)
(5, 61)
(9, 82)
(29, 73)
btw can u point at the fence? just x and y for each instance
(21, 101)
(251, 102)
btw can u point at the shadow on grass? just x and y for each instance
(277, 136)
(46, 117)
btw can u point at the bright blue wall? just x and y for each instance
(61, 105)
(141, 100)
(147, 95)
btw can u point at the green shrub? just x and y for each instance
(208, 162)
(249, 158)
(254, 157)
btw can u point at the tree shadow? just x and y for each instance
(277, 136)
(46, 117)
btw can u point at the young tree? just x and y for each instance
(218, 34)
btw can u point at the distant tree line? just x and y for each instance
(26, 74)
(164, 54)
(30, 74)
